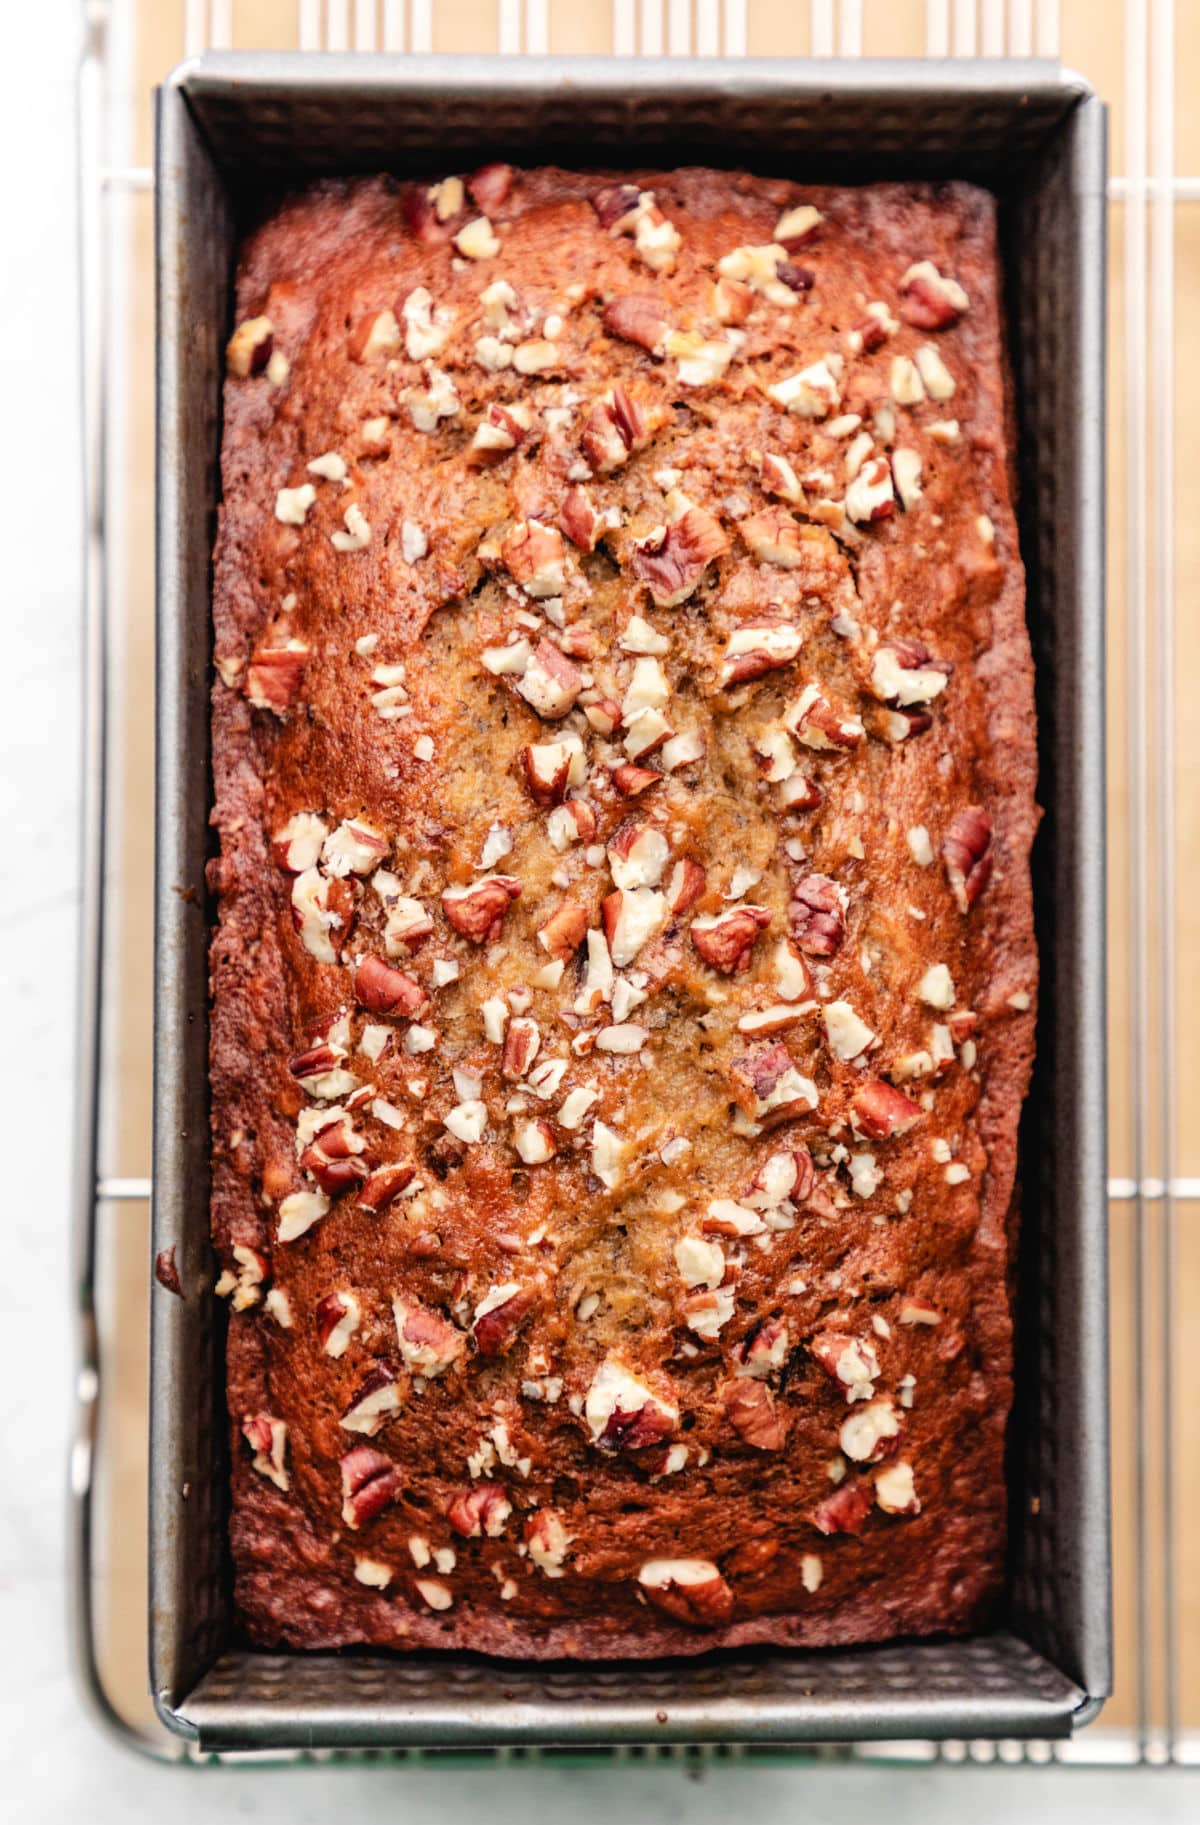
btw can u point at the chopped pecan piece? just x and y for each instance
(820, 725)
(967, 852)
(776, 1091)
(615, 204)
(870, 334)
(816, 915)
(639, 317)
(533, 556)
(249, 348)
(931, 301)
(565, 930)
(477, 911)
(384, 1185)
(338, 1316)
(844, 1511)
(850, 1363)
(546, 766)
(275, 675)
(369, 1482)
(498, 1318)
(672, 559)
(764, 1353)
(501, 430)
(616, 426)
(904, 672)
(490, 185)
(726, 939)
(782, 1176)
(774, 537)
(871, 496)
(334, 1168)
(377, 1399)
(550, 683)
(759, 647)
(879, 1110)
(383, 989)
(623, 1413)
(579, 518)
(428, 1343)
(689, 1590)
(481, 1509)
(751, 1411)
(267, 1438)
(521, 1043)
(685, 885)
(631, 781)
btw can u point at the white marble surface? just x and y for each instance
(54, 1764)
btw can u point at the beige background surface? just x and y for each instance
(1100, 38)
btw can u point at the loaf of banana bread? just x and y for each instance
(624, 974)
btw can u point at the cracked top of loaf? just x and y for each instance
(624, 977)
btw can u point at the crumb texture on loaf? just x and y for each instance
(624, 980)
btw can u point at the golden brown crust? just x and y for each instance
(686, 1413)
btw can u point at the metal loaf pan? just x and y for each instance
(234, 127)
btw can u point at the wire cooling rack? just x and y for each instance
(1138, 53)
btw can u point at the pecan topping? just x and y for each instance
(249, 348)
(850, 1363)
(904, 672)
(565, 930)
(773, 1087)
(844, 1511)
(726, 939)
(820, 725)
(481, 1509)
(615, 204)
(332, 1162)
(639, 317)
(685, 885)
(967, 852)
(760, 647)
(879, 1110)
(533, 556)
(275, 675)
(630, 781)
(774, 537)
(689, 1590)
(477, 911)
(930, 300)
(267, 1438)
(369, 1482)
(384, 1185)
(546, 766)
(751, 1411)
(616, 426)
(816, 915)
(337, 1316)
(672, 559)
(550, 683)
(377, 1399)
(428, 1343)
(521, 1042)
(490, 185)
(383, 989)
(496, 1325)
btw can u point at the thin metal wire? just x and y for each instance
(1162, 259)
(1136, 438)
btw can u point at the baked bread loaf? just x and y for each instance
(624, 976)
